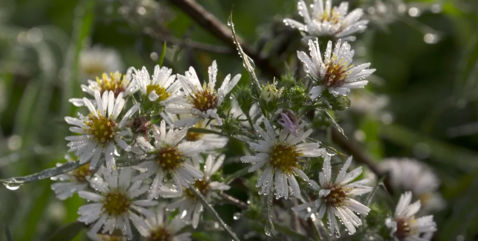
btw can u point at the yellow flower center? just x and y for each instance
(336, 73)
(284, 157)
(114, 82)
(102, 128)
(82, 172)
(159, 234)
(332, 17)
(160, 92)
(204, 100)
(116, 203)
(169, 158)
(336, 197)
(201, 185)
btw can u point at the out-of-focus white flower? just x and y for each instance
(404, 226)
(281, 153)
(325, 20)
(114, 81)
(171, 157)
(334, 70)
(367, 103)
(190, 207)
(412, 175)
(116, 201)
(160, 227)
(201, 101)
(99, 132)
(336, 198)
(72, 182)
(98, 60)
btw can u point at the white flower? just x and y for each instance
(335, 70)
(98, 60)
(72, 182)
(114, 81)
(159, 227)
(412, 175)
(405, 227)
(281, 153)
(336, 198)
(201, 101)
(325, 20)
(190, 207)
(115, 202)
(160, 87)
(99, 133)
(171, 157)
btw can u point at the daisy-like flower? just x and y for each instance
(114, 81)
(335, 70)
(281, 153)
(99, 133)
(336, 198)
(189, 205)
(161, 87)
(201, 101)
(116, 201)
(98, 60)
(72, 182)
(325, 20)
(160, 228)
(405, 226)
(171, 157)
(412, 175)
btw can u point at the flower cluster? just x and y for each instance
(150, 146)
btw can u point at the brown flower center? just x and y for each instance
(284, 157)
(116, 203)
(204, 100)
(101, 128)
(159, 234)
(403, 229)
(82, 172)
(201, 185)
(335, 74)
(336, 197)
(169, 158)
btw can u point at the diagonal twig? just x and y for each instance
(210, 23)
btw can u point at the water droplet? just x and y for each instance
(154, 56)
(414, 12)
(13, 186)
(141, 10)
(236, 216)
(430, 38)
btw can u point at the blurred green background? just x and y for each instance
(426, 85)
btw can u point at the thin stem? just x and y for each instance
(211, 24)
(239, 173)
(234, 201)
(359, 156)
(215, 214)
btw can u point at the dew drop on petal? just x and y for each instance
(12, 186)
(430, 38)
